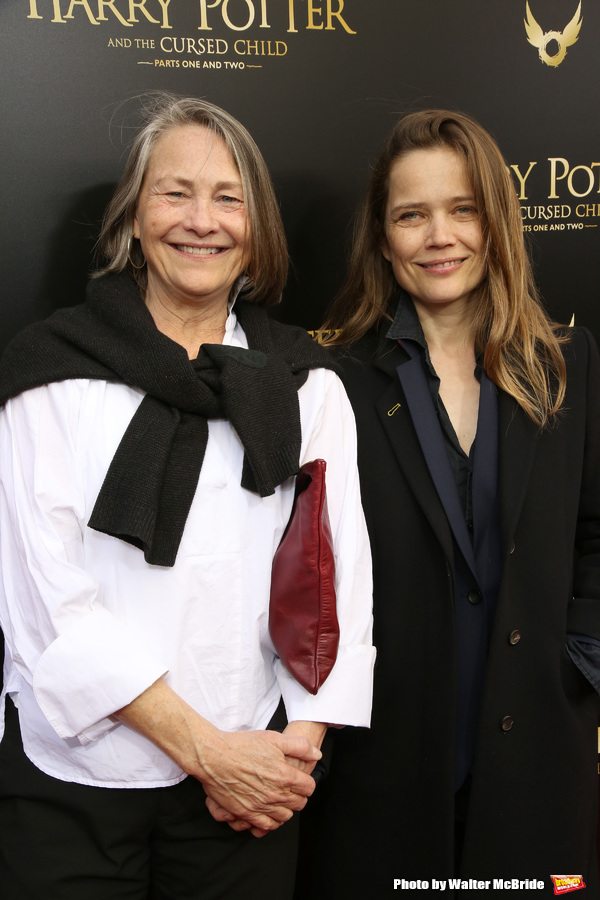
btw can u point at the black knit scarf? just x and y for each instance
(150, 484)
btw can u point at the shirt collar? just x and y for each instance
(231, 321)
(406, 324)
(407, 327)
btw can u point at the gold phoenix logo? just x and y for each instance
(541, 39)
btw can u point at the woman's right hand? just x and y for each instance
(245, 774)
(257, 784)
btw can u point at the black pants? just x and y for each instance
(61, 841)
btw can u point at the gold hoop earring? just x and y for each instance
(129, 259)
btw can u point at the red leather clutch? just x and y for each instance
(302, 612)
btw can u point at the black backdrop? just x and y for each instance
(318, 83)
(318, 88)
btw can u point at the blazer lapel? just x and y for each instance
(394, 413)
(429, 431)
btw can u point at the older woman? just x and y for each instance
(478, 444)
(149, 443)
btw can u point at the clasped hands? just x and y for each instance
(254, 780)
(263, 777)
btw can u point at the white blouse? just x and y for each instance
(89, 625)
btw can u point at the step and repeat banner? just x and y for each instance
(318, 83)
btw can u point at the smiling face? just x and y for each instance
(433, 236)
(190, 219)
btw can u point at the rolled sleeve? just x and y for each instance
(585, 654)
(346, 695)
(91, 670)
(344, 698)
(83, 662)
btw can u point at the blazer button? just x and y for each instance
(474, 597)
(514, 637)
(507, 723)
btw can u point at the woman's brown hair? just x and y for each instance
(520, 345)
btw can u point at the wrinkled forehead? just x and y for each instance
(189, 149)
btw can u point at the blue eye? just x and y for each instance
(231, 203)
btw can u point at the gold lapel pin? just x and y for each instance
(394, 409)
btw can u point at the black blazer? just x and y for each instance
(386, 809)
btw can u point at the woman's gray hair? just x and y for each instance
(161, 111)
